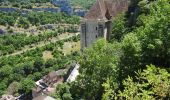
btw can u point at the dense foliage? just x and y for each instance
(32, 66)
(117, 70)
(149, 42)
(28, 4)
(134, 65)
(8, 18)
(63, 92)
(36, 18)
(42, 18)
(11, 43)
(33, 1)
(98, 65)
(82, 3)
(152, 83)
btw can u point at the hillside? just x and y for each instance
(32, 3)
(28, 40)
(37, 46)
(82, 3)
(133, 65)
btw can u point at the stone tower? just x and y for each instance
(98, 21)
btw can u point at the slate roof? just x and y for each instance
(52, 74)
(106, 9)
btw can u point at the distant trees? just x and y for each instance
(12, 42)
(23, 22)
(8, 18)
(30, 66)
(42, 18)
(27, 85)
(39, 1)
(23, 3)
(84, 4)
(37, 18)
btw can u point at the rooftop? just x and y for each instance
(106, 9)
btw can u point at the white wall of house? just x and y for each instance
(75, 72)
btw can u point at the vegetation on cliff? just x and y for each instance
(135, 64)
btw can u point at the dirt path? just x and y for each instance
(43, 43)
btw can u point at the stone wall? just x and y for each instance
(91, 30)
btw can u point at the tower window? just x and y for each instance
(100, 30)
(83, 28)
(96, 28)
(96, 36)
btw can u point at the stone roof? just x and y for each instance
(37, 89)
(52, 74)
(106, 9)
(50, 77)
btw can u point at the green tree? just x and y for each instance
(3, 86)
(98, 63)
(119, 27)
(27, 85)
(13, 88)
(5, 71)
(153, 83)
(149, 42)
(23, 22)
(63, 92)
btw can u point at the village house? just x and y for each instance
(98, 21)
(48, 83)
(74, 73)
(53, 77)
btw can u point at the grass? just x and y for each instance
(70, 47)
(47, 55)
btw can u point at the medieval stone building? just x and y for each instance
(98, 21)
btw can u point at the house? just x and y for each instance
(48, 83)
(98, 20)
(37, 92)
(52, 78)
(73, 75)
